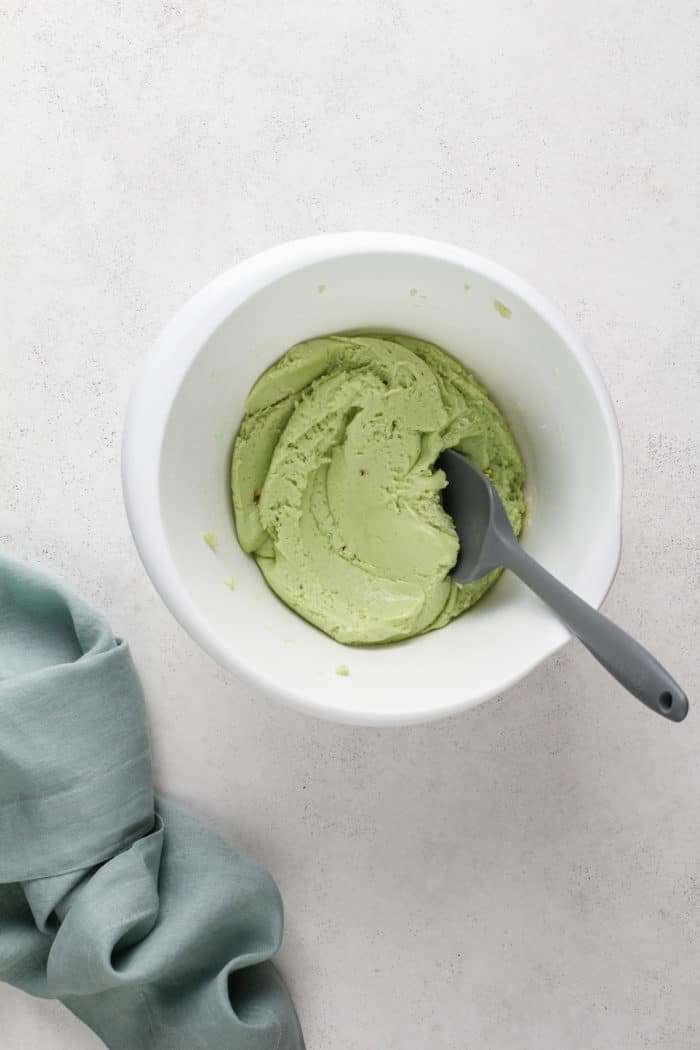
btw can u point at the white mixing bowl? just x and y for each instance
(187, 405)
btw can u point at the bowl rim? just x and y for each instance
(165, 367)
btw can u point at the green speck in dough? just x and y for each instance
(321, 289)
(502, 309)
(518, 407)
(343, 670)
(229, 581)
(210, 540)
(218, 435)
(422, 296)
(467, 287)
(413, 291)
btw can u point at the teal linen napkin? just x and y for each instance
(146, 925)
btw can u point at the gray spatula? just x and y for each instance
(486, 542)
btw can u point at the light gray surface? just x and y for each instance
(525, 875)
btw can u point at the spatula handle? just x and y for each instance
(626, 660)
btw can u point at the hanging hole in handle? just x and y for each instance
(665, 701)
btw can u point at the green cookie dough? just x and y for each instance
(335, 491)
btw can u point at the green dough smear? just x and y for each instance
(335, 491)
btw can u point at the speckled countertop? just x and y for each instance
(527, 875)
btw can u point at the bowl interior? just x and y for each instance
(553, 405)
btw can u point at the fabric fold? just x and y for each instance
(148, 926)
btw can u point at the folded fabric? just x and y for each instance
(147, 926)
